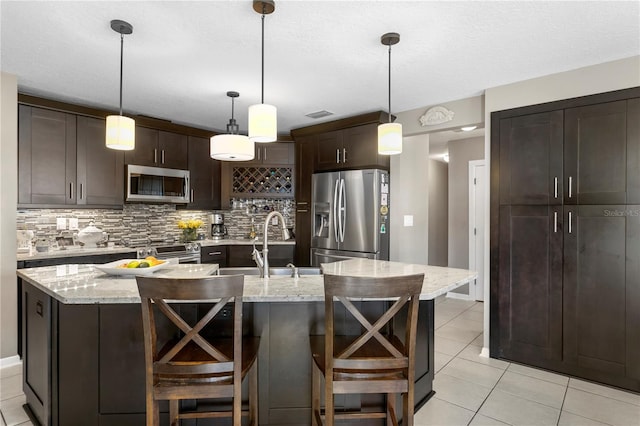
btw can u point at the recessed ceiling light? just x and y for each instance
(468, 128)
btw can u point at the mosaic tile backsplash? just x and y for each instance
(141, 224)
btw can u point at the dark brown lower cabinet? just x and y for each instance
(84, 364)
(240, 255)
(602, 293)
(530, 295)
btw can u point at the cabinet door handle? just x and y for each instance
(39, 308)
(302, 202)
(337, 155)
(555, 222)
(81, 191)
(570, 185)
(265, 154)
(215, 253)
(302, 211)
(344, 155)
(191, 196)
(162, 156)
(259, 151)
(555, 187)
(155, 156)
(71, 190)
(570, 222)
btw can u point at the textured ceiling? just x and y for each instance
(183, 56)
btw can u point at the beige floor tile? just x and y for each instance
(26, 423)
(439, 322)
(460, 392)
(442, 413)
(447, 312)
(539, 374)
(533, 389)
(480, 420)
(460, 303)
(472, 353)
(466, 324)
(448, 346)
(10, 387)
(568, 419)
(2, 423)
(483, 375)
(472, 315)
(478, 341)
(518, 411)
(440, 360)
(600, 408)
(12, 411)
(479, 306)
(457, 334)
(14, 370)
(607, 391)
(13, 402)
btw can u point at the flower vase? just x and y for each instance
(189, 234)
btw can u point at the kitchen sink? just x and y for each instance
(272, 271)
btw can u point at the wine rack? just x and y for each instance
(262, 181)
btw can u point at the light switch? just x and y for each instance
(61, 223)
(274, 220)
(73, 223)
(408, 220)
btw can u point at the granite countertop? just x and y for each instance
(81, 251)
(84, 284)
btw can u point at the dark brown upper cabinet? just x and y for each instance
(350, 148)
(158, 148)
(100, 169)
(205, 176)
(46, 157)
(272, 153)
(531, 159)
(598, 148)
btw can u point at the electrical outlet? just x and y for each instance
(73, 223)
(408, 220)
(61, 223)
(274, 220)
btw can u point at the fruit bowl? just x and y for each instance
(118, 267)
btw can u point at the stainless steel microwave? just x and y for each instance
(157, 184)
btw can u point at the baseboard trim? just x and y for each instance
(484, 353)
(10, 361)
(452, 295)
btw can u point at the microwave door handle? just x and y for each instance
(343, 210)
(335, 210)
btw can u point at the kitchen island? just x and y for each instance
(83, 352)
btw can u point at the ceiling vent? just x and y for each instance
(319, 114)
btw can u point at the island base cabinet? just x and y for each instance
(84, 364)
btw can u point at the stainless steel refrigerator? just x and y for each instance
(350, 215)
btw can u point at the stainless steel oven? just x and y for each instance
(182, 253)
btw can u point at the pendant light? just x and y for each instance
(232, 146)
(121, 130)
(390, 134)
(263, 118)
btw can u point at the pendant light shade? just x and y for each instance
(390, 134)
(121, 131)
(263, 118)
(232, 146)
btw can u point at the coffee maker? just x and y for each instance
(218, 230)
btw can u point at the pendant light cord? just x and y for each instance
(389, 83)
(121, 61)
(264, 10)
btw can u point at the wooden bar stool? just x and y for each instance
(190, 366)
(377, 361)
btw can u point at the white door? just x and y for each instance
(477, 188)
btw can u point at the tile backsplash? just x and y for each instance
(136, 224)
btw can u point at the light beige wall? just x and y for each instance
(8, 189)
(438, 212)
(410, 196)
(460, 153)
(469, 111)
(605, 77)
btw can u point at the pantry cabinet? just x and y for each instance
(565, 244)
(205, 176)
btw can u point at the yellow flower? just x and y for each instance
(190, 224)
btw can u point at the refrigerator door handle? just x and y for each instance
(335, 210)
(343, 210)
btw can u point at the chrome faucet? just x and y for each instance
(262, 259)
